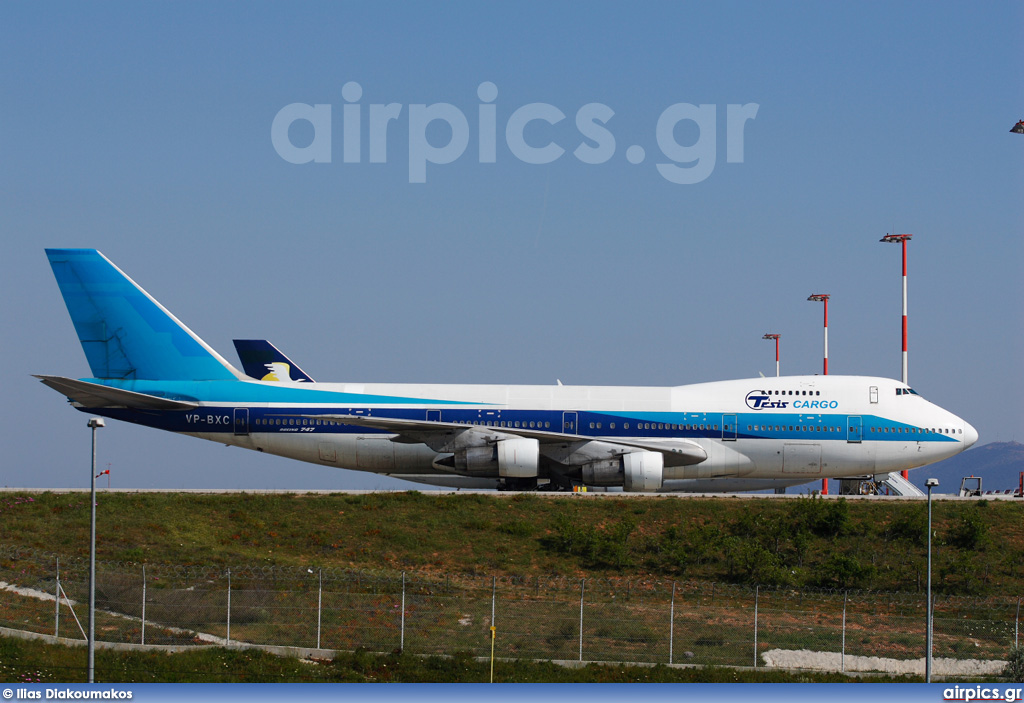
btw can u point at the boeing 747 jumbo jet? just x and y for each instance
(150, 369)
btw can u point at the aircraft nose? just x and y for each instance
(970, 435)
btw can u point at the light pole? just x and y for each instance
(94, 423)
(902, 239)
(930, 484)
(823, 298)
(776, 338)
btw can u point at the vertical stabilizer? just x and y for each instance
(124, 331)
(265, 362)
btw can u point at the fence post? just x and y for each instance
(56, 599)
(319, 605)
(583, 588)
(401, 644)
(494, 591)
(757, 595)
(229, 607)
(846, 595)
(143, 604)
(672, 622)
(1016, 626)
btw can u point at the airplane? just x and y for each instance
(261, 359)
(148, 368)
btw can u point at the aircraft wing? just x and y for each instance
(95, 395)
(678, 452)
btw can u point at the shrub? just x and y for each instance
(843, 572)
(969, 531)
(1014, 669)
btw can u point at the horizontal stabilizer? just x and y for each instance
(95, 395)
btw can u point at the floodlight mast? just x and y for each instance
(823, 298)
(776, 338)
(929, 484)
(94, 424)
(902, 239)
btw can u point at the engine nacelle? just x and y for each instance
(643, 472)
(476, 461)
(636, 472)
(518, 457)
(607, 472)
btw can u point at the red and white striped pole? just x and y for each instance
(902, 239)
(776, 338)
(823, 298)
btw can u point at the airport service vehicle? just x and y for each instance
(150, 369)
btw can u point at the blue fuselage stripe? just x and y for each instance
(654, 425)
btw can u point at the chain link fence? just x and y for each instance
(609, 620)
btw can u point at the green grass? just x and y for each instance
(630, 550)
(24, 661)
(879, 545)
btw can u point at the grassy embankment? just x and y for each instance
(878, 545)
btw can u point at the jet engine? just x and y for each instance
(517, 457)
(643, 471)
(636, 472)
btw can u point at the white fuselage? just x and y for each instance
(784, 430)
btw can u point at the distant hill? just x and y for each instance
(998, 463)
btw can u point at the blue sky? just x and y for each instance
(144, 130)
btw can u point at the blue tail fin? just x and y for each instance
(125, 333)
(262, 360)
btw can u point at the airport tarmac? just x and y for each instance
(512, 494)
